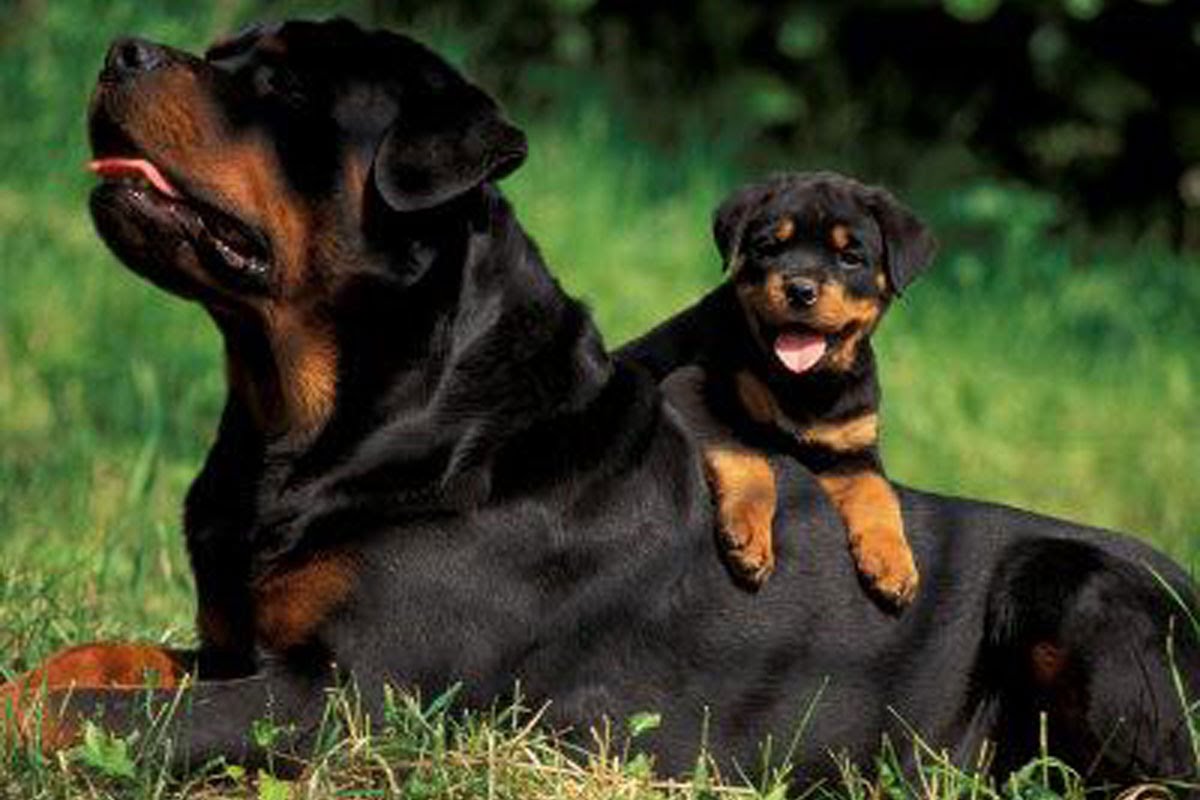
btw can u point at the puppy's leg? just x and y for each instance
(741, 479)
(871, 511)
(745, 488)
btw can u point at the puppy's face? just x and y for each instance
(816, 259)
(241, 178)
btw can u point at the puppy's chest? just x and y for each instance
(847, 428)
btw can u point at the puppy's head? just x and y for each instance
(257, 178)
(816, 259)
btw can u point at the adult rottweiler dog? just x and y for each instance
(428, 470)
(814, 261)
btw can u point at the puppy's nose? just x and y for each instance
(800, 292)
(129, 57)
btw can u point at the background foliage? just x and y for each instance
(1045, 361)
(1094, 99)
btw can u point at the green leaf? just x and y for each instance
(442, 702)
(106, 753)
(777, 792)
(642, 723)
(640, 767)
(265, 733)
(271, 788)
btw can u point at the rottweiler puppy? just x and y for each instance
(430, 472)
(814, 260)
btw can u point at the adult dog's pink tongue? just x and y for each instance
(797, 352)
(140, 167)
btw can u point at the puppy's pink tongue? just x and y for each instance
(799, 353)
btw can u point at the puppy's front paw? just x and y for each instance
(746, 535)
(886, 562)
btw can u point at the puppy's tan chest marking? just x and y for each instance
(847, 436)
(844, 436)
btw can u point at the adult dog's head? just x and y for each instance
(264, 177)
(816, 258)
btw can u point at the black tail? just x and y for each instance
(1101, 653)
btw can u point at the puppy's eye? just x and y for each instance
(766, 246)
(850, 259)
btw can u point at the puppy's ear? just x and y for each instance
(729, 221)
(908, 245)
(444, 147)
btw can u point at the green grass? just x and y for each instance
(1036, 370)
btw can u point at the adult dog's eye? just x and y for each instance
(271, 81)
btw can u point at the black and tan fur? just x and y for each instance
(429, 472)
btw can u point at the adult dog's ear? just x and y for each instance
(729, 221)
(445, 148)
(908, 245)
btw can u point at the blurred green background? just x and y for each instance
(1050, 359)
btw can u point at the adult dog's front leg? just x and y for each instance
(199, 721)
(102, 664)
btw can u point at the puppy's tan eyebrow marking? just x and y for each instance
(839, 236)
(785, 230)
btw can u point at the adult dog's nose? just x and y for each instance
(800, 292)
(129, 57)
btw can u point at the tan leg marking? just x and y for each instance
(745, 488)
(871, 511)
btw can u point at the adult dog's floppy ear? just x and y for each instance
(908, 245)
(450, 145)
